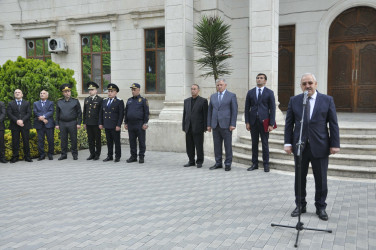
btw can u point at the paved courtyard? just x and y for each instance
(161, 205)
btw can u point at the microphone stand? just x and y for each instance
(299, 226)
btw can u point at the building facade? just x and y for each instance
(151, 42)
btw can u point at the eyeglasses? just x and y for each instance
(305, 83)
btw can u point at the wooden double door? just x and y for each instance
(352, 76)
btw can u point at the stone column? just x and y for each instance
(263, 45)
(179, 56)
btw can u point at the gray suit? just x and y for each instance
(222, 115)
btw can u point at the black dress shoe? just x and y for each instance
(108, 159)
(141, 160)
(2, 160)
(117, 159)
(91, 157)
(253, 167)
(322, 214)
(266, 168)
(63, 157)
(28, 159)
(189, 165)
(96, 158)
(227, 168)
(14, 160)
(50, 157)
(215, 167)
(75, 157)
(131, 159)
(41, 158)
(199, 165)
(295, 213)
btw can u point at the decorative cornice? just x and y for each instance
(110, 18)
(138, 15)
(51, 24)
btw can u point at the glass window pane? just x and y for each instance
(97, 68)
(30, 45)
(86, 71)
(85, 42)
(149, 39)
(96, 43)
(39, 47)
(46, 47)
(150, 71)
(161, 75)
(106, 64)
(161, 38)
(106, 43)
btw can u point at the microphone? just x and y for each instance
(305, 97)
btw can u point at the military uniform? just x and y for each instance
(111, 116)
(68, 116)
(136, 115)
(92, 107)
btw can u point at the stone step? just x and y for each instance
(353, 130)
(337, 159)
(351, 149)
(344, 138)
(288, 165)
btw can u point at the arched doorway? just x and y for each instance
(352, 60)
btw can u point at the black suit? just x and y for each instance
(22, 112)
(2, 128)
(317, 141)
(194, 125)
(257, 110)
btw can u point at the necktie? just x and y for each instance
(220, 97)
(309, 109)
(109, 102)
(43, 104)
(259, 95)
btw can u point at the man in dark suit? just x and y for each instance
(222, 115)
(92, 107)
(19, 113)
(2, 128)
(68, 120)
(110, 118)
(136, 117)
(44, 124)
(318, 143)
(195, 115)
(259, 105)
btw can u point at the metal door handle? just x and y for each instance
(356, 74)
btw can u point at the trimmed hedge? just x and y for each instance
(82, 142)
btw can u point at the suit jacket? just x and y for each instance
(92, 107)
(196, 118)
(315, 130)
(112, 115)
(14, 114)
(47, 111)
(265, 106)
(2, 116)
(224, 114)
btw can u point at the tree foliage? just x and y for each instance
(213, 40)
(32, 76)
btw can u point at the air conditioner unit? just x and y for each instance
(56, 45)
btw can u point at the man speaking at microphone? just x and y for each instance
(318, 143)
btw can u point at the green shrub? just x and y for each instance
(82, 142)
(32, 76)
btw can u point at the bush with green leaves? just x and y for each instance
(31, 76)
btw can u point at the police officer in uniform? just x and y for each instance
(68, 120)
(92, 107)
(136, 119)
(110, 118)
